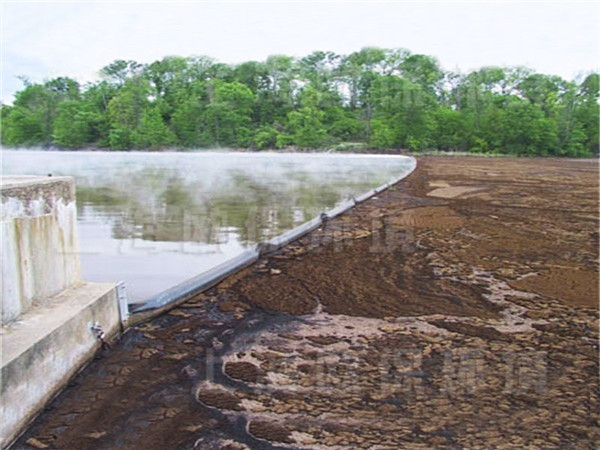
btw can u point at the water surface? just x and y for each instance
(157, 219)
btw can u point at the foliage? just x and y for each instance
(376, 98)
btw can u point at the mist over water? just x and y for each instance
(157, 219)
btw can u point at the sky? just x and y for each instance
(45, 39)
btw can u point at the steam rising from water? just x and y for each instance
(157, 219)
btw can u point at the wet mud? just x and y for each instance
(458, 309)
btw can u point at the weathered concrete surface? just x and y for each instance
(46, 346)
(468, 320)
(47, 312)
(40, 253)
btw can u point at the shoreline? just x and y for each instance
(387, 152)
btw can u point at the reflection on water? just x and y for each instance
(157, 219)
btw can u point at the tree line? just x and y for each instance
(370, 99)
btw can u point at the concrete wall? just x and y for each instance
(40, 254)
(48, 313)
(48, 345)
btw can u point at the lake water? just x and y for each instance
(154, 220)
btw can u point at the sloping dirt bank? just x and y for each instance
(458, 309)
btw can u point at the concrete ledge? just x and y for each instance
(290, 236)
(170, 298)
(366, 196)
(46, 346)
(34, 195)
(340, 209)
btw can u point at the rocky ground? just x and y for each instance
(459, 309)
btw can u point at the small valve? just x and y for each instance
(99, 333)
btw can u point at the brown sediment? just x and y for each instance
(244, 371)
(574, 284)
(463, 319)
(488, 333)
(270, 431)
(428, 217)
(217, 398)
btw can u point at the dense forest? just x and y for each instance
(371, 99)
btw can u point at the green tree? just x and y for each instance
(305, 128)
(119, 71)
(31, 120)
(75, 125)
(342, 124)
(385, 98)
(423, 71)
(21, 126)
(524, 130)
(382, 135)
(587, 113)
(152, 131)
(265, 138)
(228, 118)
(451, 130)
(125, 111)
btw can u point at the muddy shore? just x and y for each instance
(458, 309)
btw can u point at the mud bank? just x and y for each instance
(457, 309)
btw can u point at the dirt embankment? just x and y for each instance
(458, 309)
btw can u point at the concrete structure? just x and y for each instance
(51, 320)
(40, 254)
